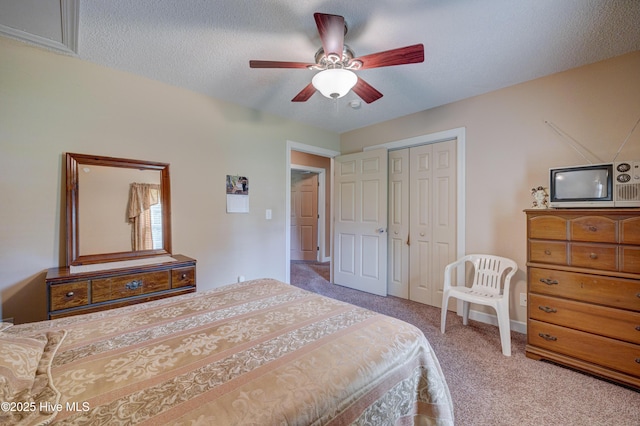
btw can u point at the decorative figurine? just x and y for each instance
(540, 197)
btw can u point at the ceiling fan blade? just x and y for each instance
(404, 55)
(331, 30)
(278, 64)
(366, 91)
(304, 94)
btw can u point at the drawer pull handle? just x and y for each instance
(638, 360)
(593, 228)
(548, 337)
(183, 277)
(593, 256)
(548, 309)
(638, 327)
(548, 281)
(547, 252)
(70, 294)
(133, 285)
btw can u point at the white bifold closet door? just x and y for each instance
(422, 220)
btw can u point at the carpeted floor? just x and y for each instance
(488, 388)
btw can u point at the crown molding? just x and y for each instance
(69, 12)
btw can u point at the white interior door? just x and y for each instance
(360, 221)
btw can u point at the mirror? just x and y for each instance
(117, 209)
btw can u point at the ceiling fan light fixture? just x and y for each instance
(335, 82)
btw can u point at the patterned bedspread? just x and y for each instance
(255, 353)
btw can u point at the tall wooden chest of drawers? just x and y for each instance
(79, 293)
(583, 269)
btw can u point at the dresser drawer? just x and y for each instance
(602, 290)
(610, 353)
(548, 252)
(609, 322)
(182, 277)
(594, 256)
(630, 259)
(597, 229)
(128, 285)
(69, 295)
(548, 228)
(630, 231)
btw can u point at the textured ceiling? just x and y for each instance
(471, 47)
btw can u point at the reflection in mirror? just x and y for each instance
(117, 209)
(122, 201)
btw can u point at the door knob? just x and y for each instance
(380, 230)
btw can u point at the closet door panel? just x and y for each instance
(398, 281)
(444, 200)
(421, 224)
(422, 220)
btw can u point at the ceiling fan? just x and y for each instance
(336, 62)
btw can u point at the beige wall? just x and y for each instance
(51, 104)
(509, 147)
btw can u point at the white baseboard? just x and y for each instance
(517, 326)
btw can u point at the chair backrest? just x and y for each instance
(490, 273)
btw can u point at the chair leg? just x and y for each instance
(505, 330)
(443, 314)
(465, 313)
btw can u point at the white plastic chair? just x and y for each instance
(490, 287)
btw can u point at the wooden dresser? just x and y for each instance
(584, 290)
(80, 293)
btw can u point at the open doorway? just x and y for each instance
(305, 217)
(310, 161)
(310, 209)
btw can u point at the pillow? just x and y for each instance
(19, 359)
(25, 375)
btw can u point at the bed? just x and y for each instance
(260, 352)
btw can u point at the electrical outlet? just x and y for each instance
(523, 299)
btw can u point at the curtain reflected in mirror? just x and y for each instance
(145, 216)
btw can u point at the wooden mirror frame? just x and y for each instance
(73, 241)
